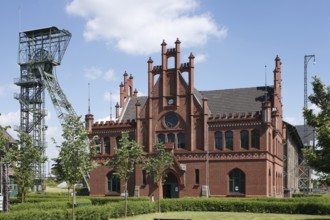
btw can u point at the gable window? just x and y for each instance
(161, 138)
(245, 139)
(218, 140)
(237, 181)
(197, 177)
(256, 139)
(107, 145)
(181, 141)
(113, 183)
(229, 140)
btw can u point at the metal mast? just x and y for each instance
(39, 52)
(304, 170)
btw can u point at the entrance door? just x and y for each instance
(171, 186)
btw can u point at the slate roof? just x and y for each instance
(219, 101)
(237, 100)
(130, 111)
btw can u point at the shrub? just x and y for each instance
(36, 214)
(108, 200)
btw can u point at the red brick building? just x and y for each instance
(224, 142)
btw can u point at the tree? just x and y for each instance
(157, 164)
(26, 157)
(74, 156)
(318, 158)
(128, 154)
(5, 160)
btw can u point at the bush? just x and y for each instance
(108, 200)
(295, 195)
(36, 214)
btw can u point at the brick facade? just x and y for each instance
(224, 142)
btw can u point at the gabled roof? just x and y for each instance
(310, 135)
(237, 100)
(10, 138)
(130, 111)
(219, 101)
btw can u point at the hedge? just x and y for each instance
(36, 214)
(108, 200)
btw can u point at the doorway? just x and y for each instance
(171, 186)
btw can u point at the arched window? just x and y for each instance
(245, 139)
(161, 138)
(113, 183)
(256, 139)
(237, 181)
(107, 145)
(229, 140)
(171, 138)
(118, 142)
(181, 141)
(218, 140)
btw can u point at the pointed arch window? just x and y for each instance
(237, 181)
(229, 140)
(171, 138)
(245, 139)
(218, 140)
(113, 183)
(256, 139)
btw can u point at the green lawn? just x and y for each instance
(224, 216)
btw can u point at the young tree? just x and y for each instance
(74, 157)
(128, 154)
(157, 164)
(318, 158)
(5, 160)
(26, 157)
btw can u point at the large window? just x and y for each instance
(256, 139)
(229, 140)
(237, 181)
(161, 138)
(171, 138)
(171, 120)
(245, 139)
(218, 140)
(107, 145)
(181, 140)
(113, 183)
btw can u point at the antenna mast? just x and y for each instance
(110, 106)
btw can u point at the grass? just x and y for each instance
(224, 215)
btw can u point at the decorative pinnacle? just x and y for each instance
(164, 43)
(177, 41)
(125, 74)
(130, 76)
(150, 60)
(191, 56)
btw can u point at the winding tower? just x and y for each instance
(39, 52)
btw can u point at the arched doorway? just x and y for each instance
(171, 186)
(237, 181)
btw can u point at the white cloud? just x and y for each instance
(115, 97)
(109, 75)
(139, 26)
(294, 120)
(10, 119)
(92, 72)
(6, 89)
(200, 58)
(316, 109)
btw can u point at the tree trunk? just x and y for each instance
(158, 186)
(73, 197)
(5, 188)
(126, 202)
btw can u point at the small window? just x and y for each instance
(245, 139)
(197, 177)
(229, 140)
(113, 183)
(144, 177)
(181, 141)
(256, 139)
(107, 145)
(218, 140)
(161, 138)
(99, 146)
(171, 138)
(118, 142)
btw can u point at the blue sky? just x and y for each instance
(232, 41)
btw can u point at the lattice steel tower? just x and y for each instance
(39, 52)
